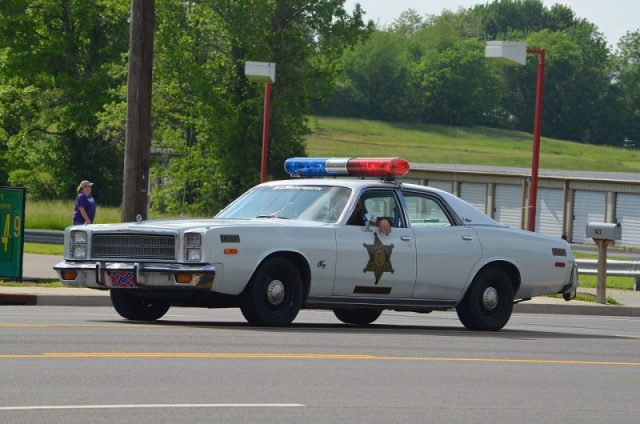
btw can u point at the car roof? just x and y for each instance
(353, 183)
(468, 213)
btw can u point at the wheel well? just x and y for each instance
(300, 263)
(510, 269)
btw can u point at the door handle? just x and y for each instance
(405, 238)
(467, 237)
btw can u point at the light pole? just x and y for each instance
(263, 71)
(511, 52)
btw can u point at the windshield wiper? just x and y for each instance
(272, 216)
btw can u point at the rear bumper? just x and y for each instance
(569, 291)
(98, 275)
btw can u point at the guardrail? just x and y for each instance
(44, 236)
(614, 268)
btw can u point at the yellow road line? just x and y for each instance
(322, 356)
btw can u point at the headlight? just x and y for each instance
(79, 244)
(193, 255)
(192, 242)
(78, 237)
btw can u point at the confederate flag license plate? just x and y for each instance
(123, 279)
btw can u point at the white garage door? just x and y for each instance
(549, 211)
(508, 205)
(475, 194)
(588, 206)
(628, 214)
(442, 185)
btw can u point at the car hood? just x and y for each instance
(181, 225)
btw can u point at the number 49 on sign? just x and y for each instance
(12, 208)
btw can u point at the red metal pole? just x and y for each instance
(265, 131)
(537, 125)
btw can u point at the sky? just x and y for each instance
(612, 17)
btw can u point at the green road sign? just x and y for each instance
(11, 231)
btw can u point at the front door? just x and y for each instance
(370, 263)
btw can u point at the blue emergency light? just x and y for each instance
(346, 167)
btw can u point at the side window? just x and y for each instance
(382, 203)
(425, 212)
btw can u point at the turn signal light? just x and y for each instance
(69, 275)
(184, 278)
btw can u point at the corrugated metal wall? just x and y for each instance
(588, 206)
(508, 205)
(628, 214)
(475, 194)
(442, 185)
(549, 211)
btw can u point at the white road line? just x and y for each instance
(150, 405)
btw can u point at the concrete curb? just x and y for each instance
(577, 309)
(53, 300)
(540, 307)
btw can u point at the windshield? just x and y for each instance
(311, 203)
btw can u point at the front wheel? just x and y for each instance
(274, 294)
(357, 316)
(488, 303)
(137, 308)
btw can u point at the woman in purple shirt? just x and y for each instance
(85, 209)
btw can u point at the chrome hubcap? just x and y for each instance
(275, 292)
(490, 298)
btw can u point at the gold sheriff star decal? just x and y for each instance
(379, 258)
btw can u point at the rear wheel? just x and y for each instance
(137, 308)
(274, 294)
(357, 316)
(488, 303)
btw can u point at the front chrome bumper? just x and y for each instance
(98, 274)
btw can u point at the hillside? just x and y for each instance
(442, 144)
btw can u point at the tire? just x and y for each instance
(273, 297)
(488, 303)
(357, 316)
(137, 308)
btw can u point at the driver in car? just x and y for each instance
(358, 217)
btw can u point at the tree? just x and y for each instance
(209, 116)
(376, 80)
(627, 83)
(457, 84)
(55, 76)
(577, 86)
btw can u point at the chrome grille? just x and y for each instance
(133, 246)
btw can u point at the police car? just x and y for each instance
(318, 241)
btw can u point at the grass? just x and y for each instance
(56, 214)
(44, 249)
(47, 283)
(425, 143)
(586, 297)
(613, 282)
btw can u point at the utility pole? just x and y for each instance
(135, 190)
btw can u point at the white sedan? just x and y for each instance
(353, 245)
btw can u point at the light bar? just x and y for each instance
(346, 167)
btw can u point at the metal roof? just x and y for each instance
(620, 177)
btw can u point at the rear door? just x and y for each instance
(446, 252)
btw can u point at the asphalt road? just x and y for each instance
(81, 365)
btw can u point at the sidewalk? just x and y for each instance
(37, 267)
